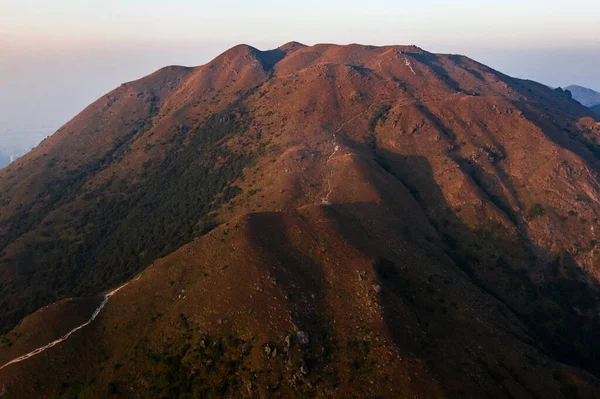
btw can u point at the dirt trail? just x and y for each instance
(336, 147)
(325, 200)
(67, 335)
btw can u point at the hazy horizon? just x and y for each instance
(58, 57)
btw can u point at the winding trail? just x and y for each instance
(67, 335)
(336, 147)
(408, 64)
(325, 200)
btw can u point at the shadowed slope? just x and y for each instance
(422, 217)
(384, 313)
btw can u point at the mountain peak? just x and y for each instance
(292, 46)
(242, 54)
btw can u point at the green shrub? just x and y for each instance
(371, 142)
(535, 211)
(380, 115)
(117, 232)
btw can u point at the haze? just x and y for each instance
(57, 57)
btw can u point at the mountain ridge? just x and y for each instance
(447, 202)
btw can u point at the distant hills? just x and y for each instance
(4, 160)
(6, 157)
(585, 96)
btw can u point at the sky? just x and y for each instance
(58, 56)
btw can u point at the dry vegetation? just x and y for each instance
(456, 254)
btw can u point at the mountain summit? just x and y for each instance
(324, 221)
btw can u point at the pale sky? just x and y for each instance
(57, 56)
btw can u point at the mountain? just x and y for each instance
(16, 142)
(323, 221)
(596, 109)
(587, 97)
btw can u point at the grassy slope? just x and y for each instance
(386, 313)
(493, 187)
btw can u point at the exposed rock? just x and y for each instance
(302, 338)
(304, 367)
(246, 347)
(267, 349)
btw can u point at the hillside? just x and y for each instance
(328, 221)
(596, 109)
(585, 96)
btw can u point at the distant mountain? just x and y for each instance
(4, 160)
(596, 109)
(324, 222)
(15, 143)
(10, 156)
(585, 96)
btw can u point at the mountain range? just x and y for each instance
(308, 221)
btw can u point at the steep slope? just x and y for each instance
(70, 207)
(355, 300)
(422, 217)
(585, 96)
